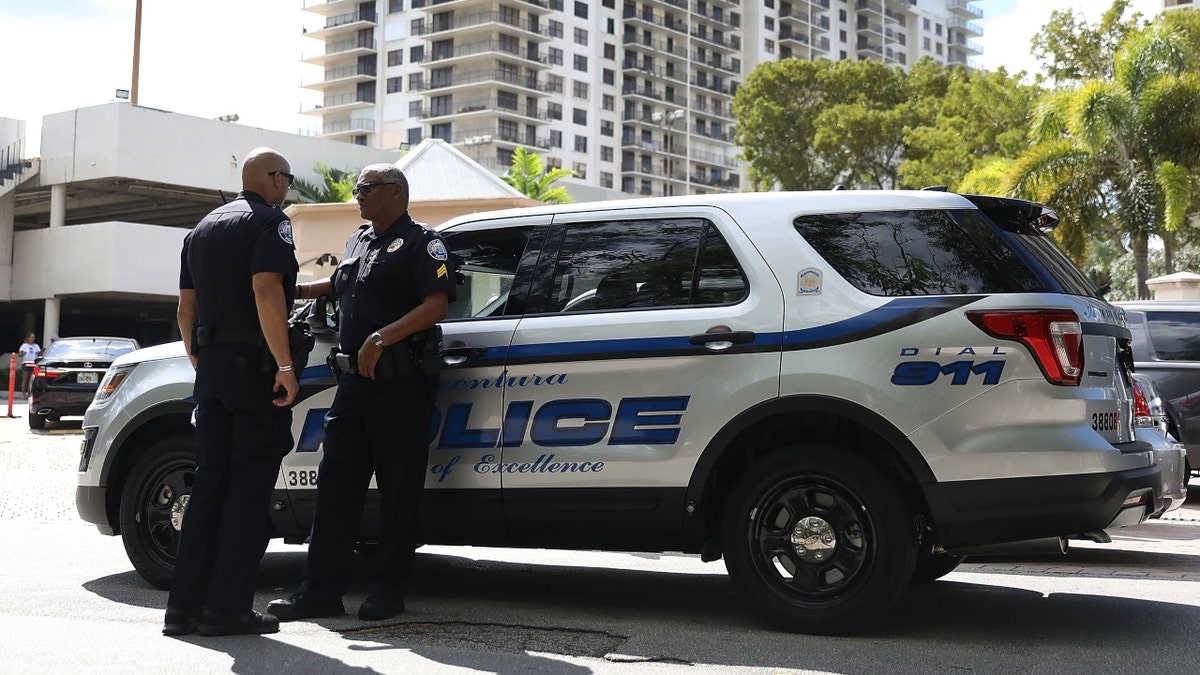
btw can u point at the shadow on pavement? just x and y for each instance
(489, 615)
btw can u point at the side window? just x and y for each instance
(486, 261)
(898, 253)
(1175, 335)
(644, 264)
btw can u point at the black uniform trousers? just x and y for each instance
(241, 439)
(378, 427)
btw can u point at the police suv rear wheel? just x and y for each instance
(152, 503)
(819, 539)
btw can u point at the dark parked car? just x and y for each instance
(67, 375)
(1166, 346)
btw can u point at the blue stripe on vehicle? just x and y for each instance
(897, 314)
(892, 316)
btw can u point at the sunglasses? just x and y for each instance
(366, 188)
(290, 176)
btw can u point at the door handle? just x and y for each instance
(722, 340)
(452, 356)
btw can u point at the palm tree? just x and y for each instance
(1119, 152)
(337, 187)
(529, 177)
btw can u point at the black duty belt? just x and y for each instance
(216, 335)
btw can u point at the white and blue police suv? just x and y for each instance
(840, 393)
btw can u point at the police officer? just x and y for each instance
(393, 286)
(236, 281)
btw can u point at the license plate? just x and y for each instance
(87, 378)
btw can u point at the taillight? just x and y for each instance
(1054, 337)
(1141, 405)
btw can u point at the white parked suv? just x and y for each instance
(838, 392)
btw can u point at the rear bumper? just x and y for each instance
(61, 403)
(971, 513)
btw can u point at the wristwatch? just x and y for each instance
(376, 339)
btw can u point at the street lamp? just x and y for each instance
(666, 120)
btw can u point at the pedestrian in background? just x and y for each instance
(236, 282)
(30, 350)
(393, 286)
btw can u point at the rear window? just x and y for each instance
(99, 348)
(898, 253)
(1175, 335)
(1008, 216)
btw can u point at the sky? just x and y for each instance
(243, 57)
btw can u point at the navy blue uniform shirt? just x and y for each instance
(382, 278)
(226, 249)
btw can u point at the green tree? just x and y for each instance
(968, 121)
(809, 125)
(860, 132)
(776, 111)
(1103, 154)
(528, 175)
(1072, 51)
(336, 187)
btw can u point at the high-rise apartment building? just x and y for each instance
(632, 95)
(1179, 4)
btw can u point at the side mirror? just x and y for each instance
(322, 316)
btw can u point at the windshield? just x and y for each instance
(105, 348)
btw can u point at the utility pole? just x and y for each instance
(137, 51)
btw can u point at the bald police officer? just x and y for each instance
(236, 281)
(393, 286)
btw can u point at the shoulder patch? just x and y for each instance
(285, 232)
(437, 250)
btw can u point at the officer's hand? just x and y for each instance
(368, 358)
(286, 380)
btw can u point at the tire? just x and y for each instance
(934, 566)
(36, 421)
(152, 503)
(860, 561)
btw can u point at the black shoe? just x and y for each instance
(380, 607)
(180, 622)
(300, 606)
(251, 623)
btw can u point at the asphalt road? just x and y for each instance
(73, 604)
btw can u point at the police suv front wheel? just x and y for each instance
(819, 539)
(152, 503)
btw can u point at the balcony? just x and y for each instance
(486, 77)
(329, 7)
(340, 76)
(344, 24)
(716, 62)
(482, 22)
(642, 92)
(534, 7)
(964, 8)
(654, 46)
(648, 19)
(489, 50)
(868, 49)
(351, 127)
(963, 45)
(713, 109)
(483, 107)
(730, 42)
(957, 23)
(720, 160)
(345, 102)
(638, 66)
(342, 50)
